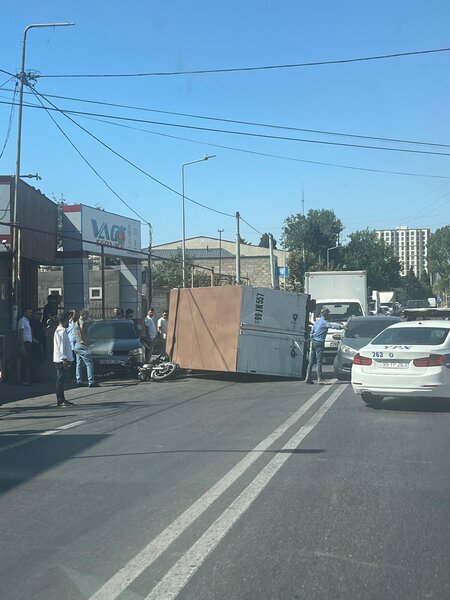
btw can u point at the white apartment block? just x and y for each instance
(410, 247)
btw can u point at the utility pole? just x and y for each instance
(272, 271)
(16, 241)
(303, 244)
(238, 251)
(220, 231)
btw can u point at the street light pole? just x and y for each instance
(328, 256)
(183, 248)
(16, 292)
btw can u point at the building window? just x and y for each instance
(95, 293)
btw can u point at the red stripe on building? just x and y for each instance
(71, 207)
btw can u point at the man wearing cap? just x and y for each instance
(318, 335)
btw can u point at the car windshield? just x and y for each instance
(419, 336)
(366, 329)
(119, 330)
(340, 311)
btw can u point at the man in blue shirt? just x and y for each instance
(318, 335)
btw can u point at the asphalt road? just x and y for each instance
(224, 489)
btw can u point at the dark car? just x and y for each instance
(116, 346)
(358, 332)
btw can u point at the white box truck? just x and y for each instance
(239, 329)
(344, 293)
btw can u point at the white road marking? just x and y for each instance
(177, 577)
(150, 553)
(35, 436)
(70, 425)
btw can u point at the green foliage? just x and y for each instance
(308, 238)
(439, 257)
(264, 241)
(169, 273)
(413, 288)
(367, 252)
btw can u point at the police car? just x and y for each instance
(408, 359)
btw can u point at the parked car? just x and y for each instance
(408, 359)
(358, 332)
(116, 346)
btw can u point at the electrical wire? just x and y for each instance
(257, 68)
(10, 122)
(130, 162)
(239, 133)
(268, 155)
(250, 123)
(251, 226)
(92, 167)
(7, 73)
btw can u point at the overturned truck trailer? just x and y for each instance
(239, 329)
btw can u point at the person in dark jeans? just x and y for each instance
(318, 335)
(62, 357)
(39, 348)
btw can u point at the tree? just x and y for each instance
(169, 273)
(365, 251)
(439, 257)
(425, 283)
(307, 238)
(264, 241)
(412, 286)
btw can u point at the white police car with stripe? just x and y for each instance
(408, 359)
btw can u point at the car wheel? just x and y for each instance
(371, 399)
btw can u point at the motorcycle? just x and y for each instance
(158, 369)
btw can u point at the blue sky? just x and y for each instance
(404, 98)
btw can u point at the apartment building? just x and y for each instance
(410, 246)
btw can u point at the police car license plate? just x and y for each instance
(394, 365)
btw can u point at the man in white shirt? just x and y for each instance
(62, 357)
(162, 329)
(150, 333)
(25, 344)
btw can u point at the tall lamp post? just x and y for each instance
(328, 256)
(183, 249)
(15, 233)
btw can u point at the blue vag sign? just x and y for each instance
(283, 272)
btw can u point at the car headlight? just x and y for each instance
(136, 352)
(348, 350)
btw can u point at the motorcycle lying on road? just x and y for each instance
(158, 369)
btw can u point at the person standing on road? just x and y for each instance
(118, 313)
(318, 335)
(82, 351)
(73, 318)
(150, 334)
(62, 357)
(25, 344)
(162, 329)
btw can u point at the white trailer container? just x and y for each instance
(344, 293)
(239, 329)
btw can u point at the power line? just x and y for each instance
(251, 226)
(10, 122)
(251, 123)
(132, 163)
(92, 167)
(268, 155)
(240, 133)
(257, 68)
(7, 73)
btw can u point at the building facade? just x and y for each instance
(410, 247)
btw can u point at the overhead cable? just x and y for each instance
(257, 68)
(250, 123)
(268, 155)
(241, 133)
(10, 122)
(133, 164)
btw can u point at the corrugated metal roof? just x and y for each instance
(193, 254)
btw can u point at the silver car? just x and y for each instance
(358, 332)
